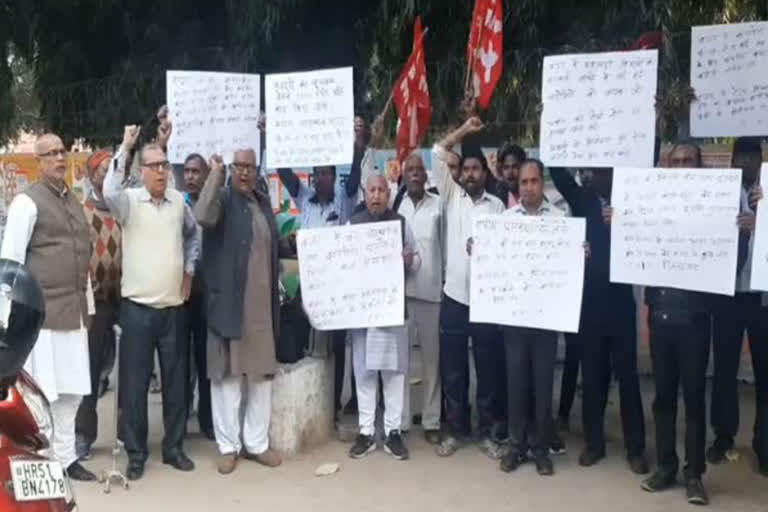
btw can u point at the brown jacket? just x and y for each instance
(58, 255)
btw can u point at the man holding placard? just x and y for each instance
(381, 351)
(680, 331)
(530, 353)
(607, 339)
(461, 201)
(734, 315)
(321, 206)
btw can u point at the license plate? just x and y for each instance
(38, 480)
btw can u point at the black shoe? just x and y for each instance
(659, 481)
(362, 447)
(638, 464)
(694, 490)
(135, 471)
(395, 446)
(589, 458)
(432, 437)
(77, 472)
(718, 452)
(180, 462)
(208, 433)
(556, 445)
(762, 466)
(544, 466)
(511, 461)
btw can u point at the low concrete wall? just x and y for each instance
(302, 406)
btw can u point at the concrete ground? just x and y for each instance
(468, 481)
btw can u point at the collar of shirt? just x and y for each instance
(426, 199)
(486, 197)
(145, 196)
(61, 193)
(544, 208)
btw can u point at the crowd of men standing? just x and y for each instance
(194, 277)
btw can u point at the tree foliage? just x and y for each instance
(90, 66)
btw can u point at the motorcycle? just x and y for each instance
(29, 481)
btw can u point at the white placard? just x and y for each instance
(599, 109)
(353, 276)
(213, 113)
(527, 271)
(310, 118)
(729, 75)
(676, 228)
(759, 279)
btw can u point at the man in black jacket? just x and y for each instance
(608, 335)
(680, 334)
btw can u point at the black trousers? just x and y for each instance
(744, 312)
(101, 345)
(606, 345)
(680, 354)
(530, 355)
(455, 330)
(196, 334)
(145, 330)
(573, 348)
(340, 355)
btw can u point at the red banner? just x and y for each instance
(411, 97)
(485, 49)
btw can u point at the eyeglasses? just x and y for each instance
(157, 166)
(55, 153)
(242, 168)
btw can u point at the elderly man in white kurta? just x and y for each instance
(47, 231)
(393, 376)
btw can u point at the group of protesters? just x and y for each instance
(194, 276)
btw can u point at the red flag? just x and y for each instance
(485, 49)
(411, 97)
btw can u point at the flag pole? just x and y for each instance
(471, 63)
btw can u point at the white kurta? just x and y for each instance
(59, 362)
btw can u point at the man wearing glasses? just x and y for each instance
(47, 231)
(161, 244)
(240, 260)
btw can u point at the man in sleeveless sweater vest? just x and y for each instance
(47, 231)
(161, 244)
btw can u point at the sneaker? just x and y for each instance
(544, 466)
(557, 445)
(492, 449)
(432, 437)
(362, 447)
(718, 452)
(695, 492)
(448, 446)
(659, 481)
(511, 461)
(395, 446)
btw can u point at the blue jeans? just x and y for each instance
(488, 351)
